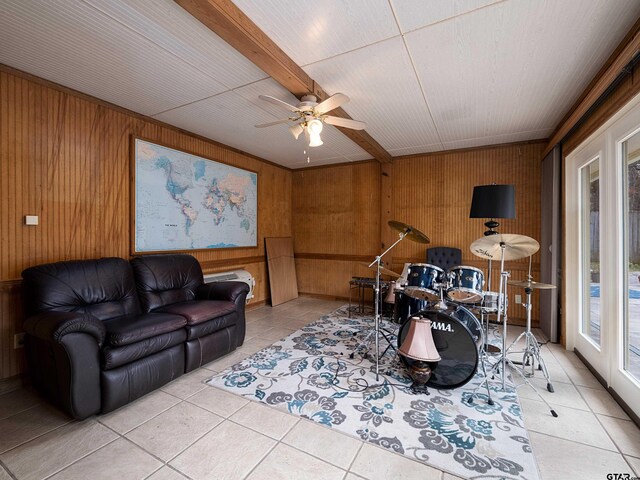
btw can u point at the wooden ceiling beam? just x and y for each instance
(227, 21)
(623, 54)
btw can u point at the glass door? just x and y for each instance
(626, 375)
(588, 297)
(590, 247)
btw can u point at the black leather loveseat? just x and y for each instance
(101, 333)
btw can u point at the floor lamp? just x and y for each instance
(492, 201)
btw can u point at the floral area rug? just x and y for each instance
(309, 373)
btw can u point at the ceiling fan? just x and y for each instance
(309, 115)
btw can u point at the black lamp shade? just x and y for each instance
(493, 201)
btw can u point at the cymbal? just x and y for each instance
(412, 233)
(515, 246)
(530, 284)
(383, 271)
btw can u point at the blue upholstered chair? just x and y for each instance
(444, 257)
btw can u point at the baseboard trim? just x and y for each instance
(13, 383)
(254, 305)
(322, 296)
(632, 415)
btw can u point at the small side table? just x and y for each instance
(361, 284)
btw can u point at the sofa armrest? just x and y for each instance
(53, 326)
(229, 291)
(235, 292)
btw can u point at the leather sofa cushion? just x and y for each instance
(131, 329)
(113, 357)
(199, 311)
(166, 279)
(103, 288)
(205, 328)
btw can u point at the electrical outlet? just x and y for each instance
(18, 340)
(518, 299)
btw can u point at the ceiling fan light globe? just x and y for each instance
(315, 127)
(314, 139)
(296, 130)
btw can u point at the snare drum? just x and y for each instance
(422, 281)
(490, 302)
(465, 284)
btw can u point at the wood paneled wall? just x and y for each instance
(336, 225)
(65, 158)
(340, 213)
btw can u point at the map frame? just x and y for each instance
(197, 157)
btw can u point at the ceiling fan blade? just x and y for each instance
(334, 101)
(277, 122)
(346, 123)
(280, 103)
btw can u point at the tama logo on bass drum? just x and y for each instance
(442, 326)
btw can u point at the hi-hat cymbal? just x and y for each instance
(530, 284)
(412, 233)
(383, 271)
(515, 246)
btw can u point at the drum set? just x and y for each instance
(459, 309)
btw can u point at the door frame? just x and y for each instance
(606, 144)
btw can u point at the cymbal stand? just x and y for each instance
(531, 352)
(502, 314)
(377, 330)
(504, 359)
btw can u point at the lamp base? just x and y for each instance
(420, 372)
(491, 225)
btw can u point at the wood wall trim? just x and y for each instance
(335, 256)
(628, 89)
(472, 149)
(231, 24)
(519, 266)
(226, 262)
(131, 113)
(332, 165)
(10, 285)
(621, 56)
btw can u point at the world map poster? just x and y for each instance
(186, 202)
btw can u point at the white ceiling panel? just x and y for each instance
(166, 24)
(230, 118)
(312, 31)
(516, 66)
(384, 93)
(77, 46)
(413, 14)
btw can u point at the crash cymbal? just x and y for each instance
(412, 233)
(515, 246)
(383, 271)
(530, 284)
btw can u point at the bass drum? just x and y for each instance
(406, 306)
(457, 335)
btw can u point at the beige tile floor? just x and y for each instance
(189, 430)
